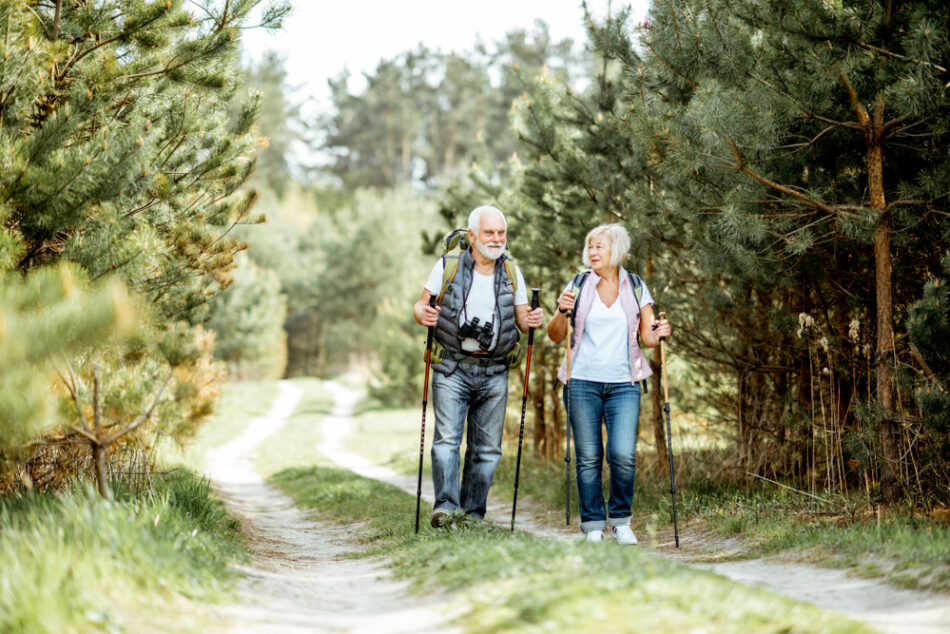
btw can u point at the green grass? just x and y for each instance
(240, 401)
(395, 436)
(71, 562)
(297, 443)
(909, 551)
(515, 582)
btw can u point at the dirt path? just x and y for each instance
(300, 579)
(340, 424)
(883, 607)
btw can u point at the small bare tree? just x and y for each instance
(101, 436)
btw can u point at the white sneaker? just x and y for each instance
(595, 536)
(624, 535)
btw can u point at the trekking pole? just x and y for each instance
(567, 452)
(524, 404)
(425, 397)
(669, 435)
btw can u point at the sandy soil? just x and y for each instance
(300, 579)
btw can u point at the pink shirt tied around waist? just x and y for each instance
(639, 367)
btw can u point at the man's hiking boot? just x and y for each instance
(624, 535)
(440, 518)
(595, 536)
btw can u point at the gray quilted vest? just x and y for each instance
(453, 300)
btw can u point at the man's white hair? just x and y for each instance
(475, 218)
(616, 236)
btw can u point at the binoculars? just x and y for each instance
(483, 334)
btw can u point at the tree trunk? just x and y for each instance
(887, 436)
(54, 33)
(102, 477)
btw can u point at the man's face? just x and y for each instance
(490, 239)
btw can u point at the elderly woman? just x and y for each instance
(610, 308)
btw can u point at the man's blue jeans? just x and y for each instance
(618, 406)
(468, 391)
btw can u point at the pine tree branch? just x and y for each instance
(116, 267)
(740, 164)
(920, 203)
(96, 414)
(205, 9)
(133, 212)
(919, 358)
(798, 147)
(672, 69)
(11, 92)
(715, 23)
(676, 30)
(886, 53)
(40, 20)
(60, 76)
(85, 434)
(141, 419)
(808, 113)
(56, 17)
(864, 119)
(73, 390)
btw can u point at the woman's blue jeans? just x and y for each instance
(617, 406)
(480, 395)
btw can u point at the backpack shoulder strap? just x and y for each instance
(637, 284)
(512, 275)
(450, 266)
(577, 283)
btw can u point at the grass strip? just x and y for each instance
(516, 582)
(908, 550)
(71, 562)
(297, 442)
(240, 401)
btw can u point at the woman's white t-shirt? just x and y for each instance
(604, 353)
(480, 301)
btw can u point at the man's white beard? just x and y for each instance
(492, 250)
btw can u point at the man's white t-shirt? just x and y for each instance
(480, 301)
(604, 353)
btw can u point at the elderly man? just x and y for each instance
(476, 333)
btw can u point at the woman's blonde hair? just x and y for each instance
(618, 239)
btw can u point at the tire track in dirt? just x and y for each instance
(885, 608)
(300, 578)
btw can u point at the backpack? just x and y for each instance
(453, 245)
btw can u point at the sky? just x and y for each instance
(324, 37)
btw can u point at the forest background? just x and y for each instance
(782, 167)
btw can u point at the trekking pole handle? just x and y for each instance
(534, 304)
(432, 300)
(653, 327)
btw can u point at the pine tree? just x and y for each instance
(118, 155)
(816, 134)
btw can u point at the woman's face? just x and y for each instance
(598, 250)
